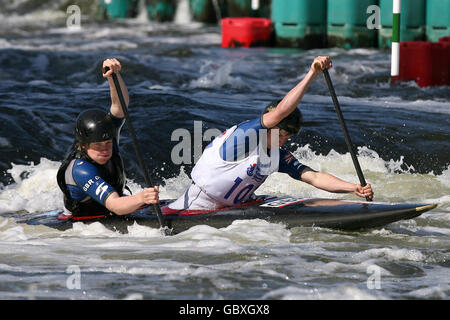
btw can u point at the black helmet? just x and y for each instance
(292, 123)
(94, 125)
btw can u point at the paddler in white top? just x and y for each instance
(236, 163)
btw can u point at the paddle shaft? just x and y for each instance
(142, 165)
(344, 129)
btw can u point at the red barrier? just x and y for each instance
(246, 32)
(445, 41)
(427, 63)
(441, 63)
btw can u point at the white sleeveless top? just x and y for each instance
(231, 182)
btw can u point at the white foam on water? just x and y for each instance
(13, 234)
(256, 246)
(175, 186)
(235, 238)
(158, 87)
(444, 178)
(427, 230)
(396, 254)
(434, 292)
(130, 34)
(217, 76)
(138, 231)
(340, 293)
(388, 102)
(95, 229)
(239, 233)
(34, 18)
(391, 180)
(35, 188)
(4, 142)
(257, 231)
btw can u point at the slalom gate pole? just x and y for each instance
(395, 58)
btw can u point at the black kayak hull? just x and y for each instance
(292, 212)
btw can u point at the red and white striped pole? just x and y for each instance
(255, 4)
(395, 58)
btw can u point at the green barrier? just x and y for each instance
(120, 9)
(412, 22)
(243, 8)
(347, 24)
(160, 10)
(300, 23)
(207, 11)
(203, 11)
(437, 19)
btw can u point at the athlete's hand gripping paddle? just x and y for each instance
(142, 165)
(344, 129)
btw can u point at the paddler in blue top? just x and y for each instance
(236, 163)
(92, 177)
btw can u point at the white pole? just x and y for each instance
(255, 4)
(395, 59)
(217, 10)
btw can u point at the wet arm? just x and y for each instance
(327, 182)
(115, 67)
(128, 204)
(293, 98)
(123, 205)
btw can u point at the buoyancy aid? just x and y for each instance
(231, 182)
(112, 172)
